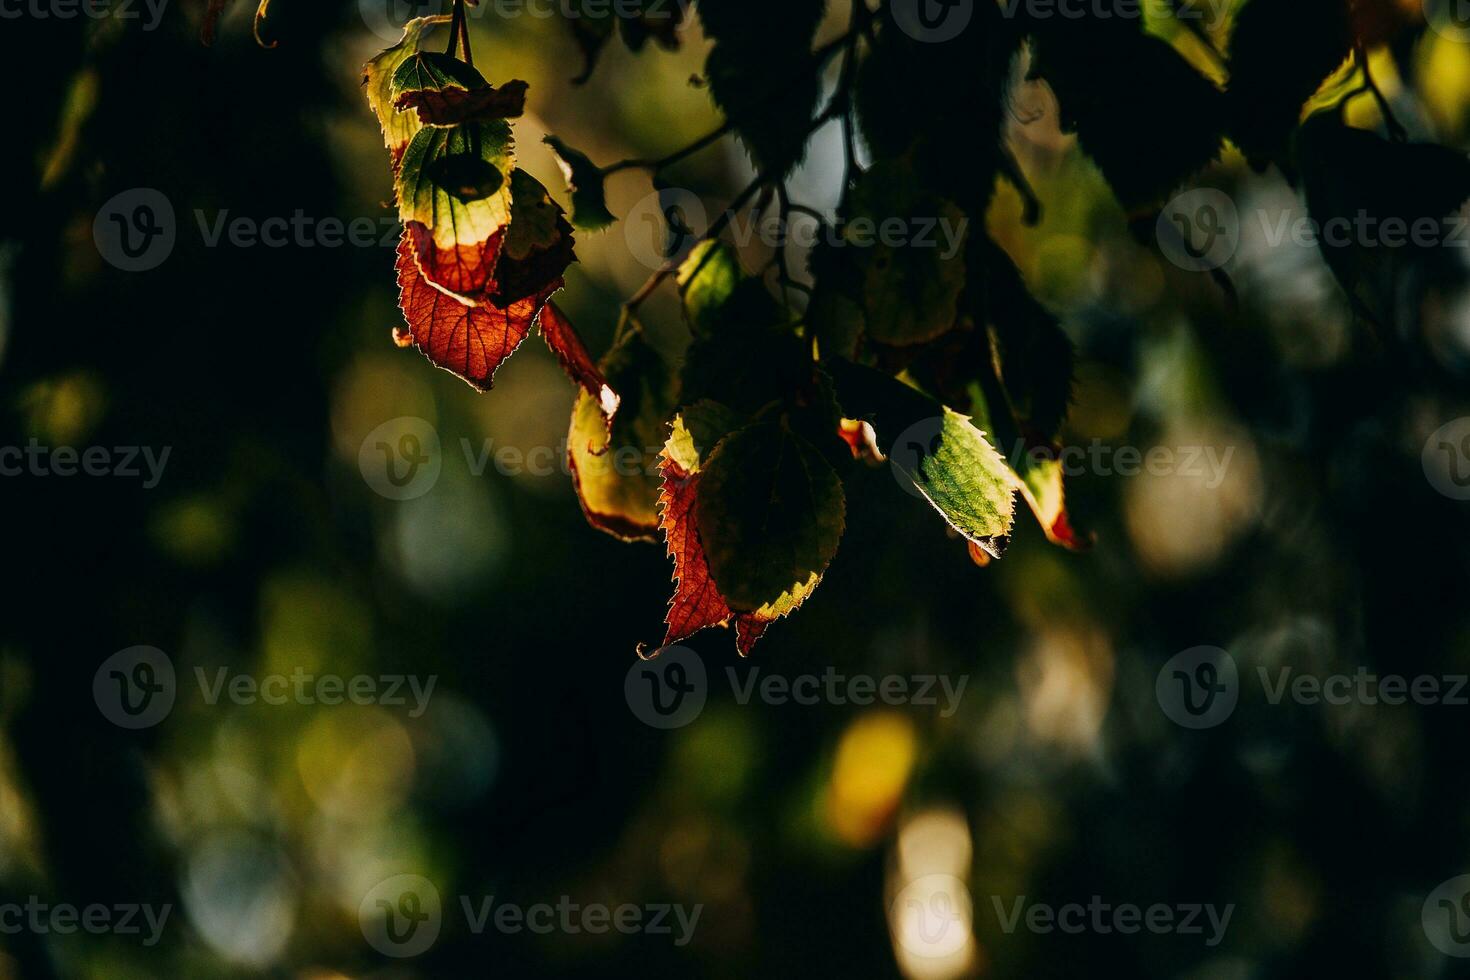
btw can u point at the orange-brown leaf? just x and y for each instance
(471, 341)
(453, 106)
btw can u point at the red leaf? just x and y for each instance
(575, 361)
(467, 270)
(697, 603)
(453, 106)
(471, 341)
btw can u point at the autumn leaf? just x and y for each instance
(399, 127)
(616, 470)
(805, 513)
(470, 340)
(572, 354)
(454, 197)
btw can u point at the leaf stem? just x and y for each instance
(1395, 129)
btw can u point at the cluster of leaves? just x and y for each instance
(484, 246)
(906, 352)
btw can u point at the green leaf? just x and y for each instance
(586, 185)
(761, 74)
(398, 126)
(434, 71)
(770, 513)
(1036, 357)
(945, 103)
(1281, 51)
(1359, 186)
(1144, 115)
(910, 291)
(948, 460)
(707, 280)
(616, 472)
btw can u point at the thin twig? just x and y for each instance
(664, 163)
(715, 230)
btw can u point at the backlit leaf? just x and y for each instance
(616, 471)
(585, 182)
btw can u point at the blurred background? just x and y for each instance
(264, 549)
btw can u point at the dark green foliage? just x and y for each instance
(761, 74)
(1280, 53)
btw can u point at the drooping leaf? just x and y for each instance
(911, 281)
(399, 127)
(538, 244)
(591, 25)
(707, 280)
(949, 460)
(761, 73)
(1121, 89)
(616, 471)
(1281, 51)
(698, 602)
(586, 185)
(454, 196)
(941, 103)
(572, 354)
(1044, 489)
(470, 340)
(770, 512)
(1368, 196)
(1040, 478)
(1035, 356)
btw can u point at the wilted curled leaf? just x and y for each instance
(585, 182)
(616, 470)
(572, 354)
(447, 92)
